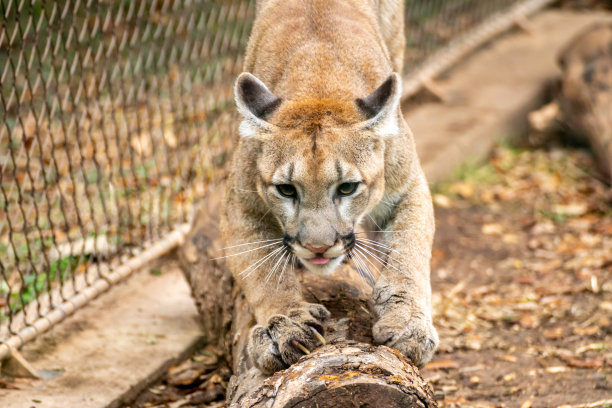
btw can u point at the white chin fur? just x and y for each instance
(323, 270)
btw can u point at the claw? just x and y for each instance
(301, 347)
(318, 335)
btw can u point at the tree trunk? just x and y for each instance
(346, 372)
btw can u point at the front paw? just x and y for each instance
(415, 338)
(287, 337)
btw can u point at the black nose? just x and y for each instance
(349, 241)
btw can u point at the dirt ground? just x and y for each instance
(522, 279)
(522, 290)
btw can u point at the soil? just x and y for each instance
(522, 281)
(522, 290)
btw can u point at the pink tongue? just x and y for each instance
(319, 260)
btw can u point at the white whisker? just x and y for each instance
(253, 243)
(367, 259)
(364, 245)
(249, 250)
(377, 258)
(365, 274)
(260, 262)
(380, 260)
(282, 272)
(264, 216)
(362, 268)
(363, 258)
(374, 221)
(357, 264)
(376, 243)
(276, 265)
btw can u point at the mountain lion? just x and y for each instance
(324, 148)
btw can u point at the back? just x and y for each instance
(318, 48)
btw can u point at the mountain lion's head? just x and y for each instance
(320, 163)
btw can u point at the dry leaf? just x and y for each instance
(527, 321)
(508, 357)
(464, 190)
(556, 369)
(441, 201)
(492, 229)
(510, 238)
(586, 363)
(555, 333)
(586, 331)
(509, 377)
(592, 346)
(442, 365)
(570, 209)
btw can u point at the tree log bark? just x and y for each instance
(586, 91)
(346, 372)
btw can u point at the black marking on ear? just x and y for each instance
(256, 97)
(371, 105)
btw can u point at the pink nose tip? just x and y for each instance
(317, 250)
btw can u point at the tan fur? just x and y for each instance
(319, 57)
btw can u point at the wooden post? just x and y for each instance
(346, 372)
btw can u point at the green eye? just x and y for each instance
(346, 189)
(287, 190)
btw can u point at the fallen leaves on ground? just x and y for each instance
(199, 381)
(522, 281)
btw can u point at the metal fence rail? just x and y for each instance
(115, 115)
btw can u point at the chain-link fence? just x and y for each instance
(115, 116)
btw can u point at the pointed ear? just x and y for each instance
(380, 107)
(255, 102)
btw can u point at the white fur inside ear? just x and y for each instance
(248, 129)
(249, 116)
(251, 123)
(387, 125)
(386, 122)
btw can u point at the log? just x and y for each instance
(347, 371)
(585, 98)
(343, 375)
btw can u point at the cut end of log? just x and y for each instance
(338, 375)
